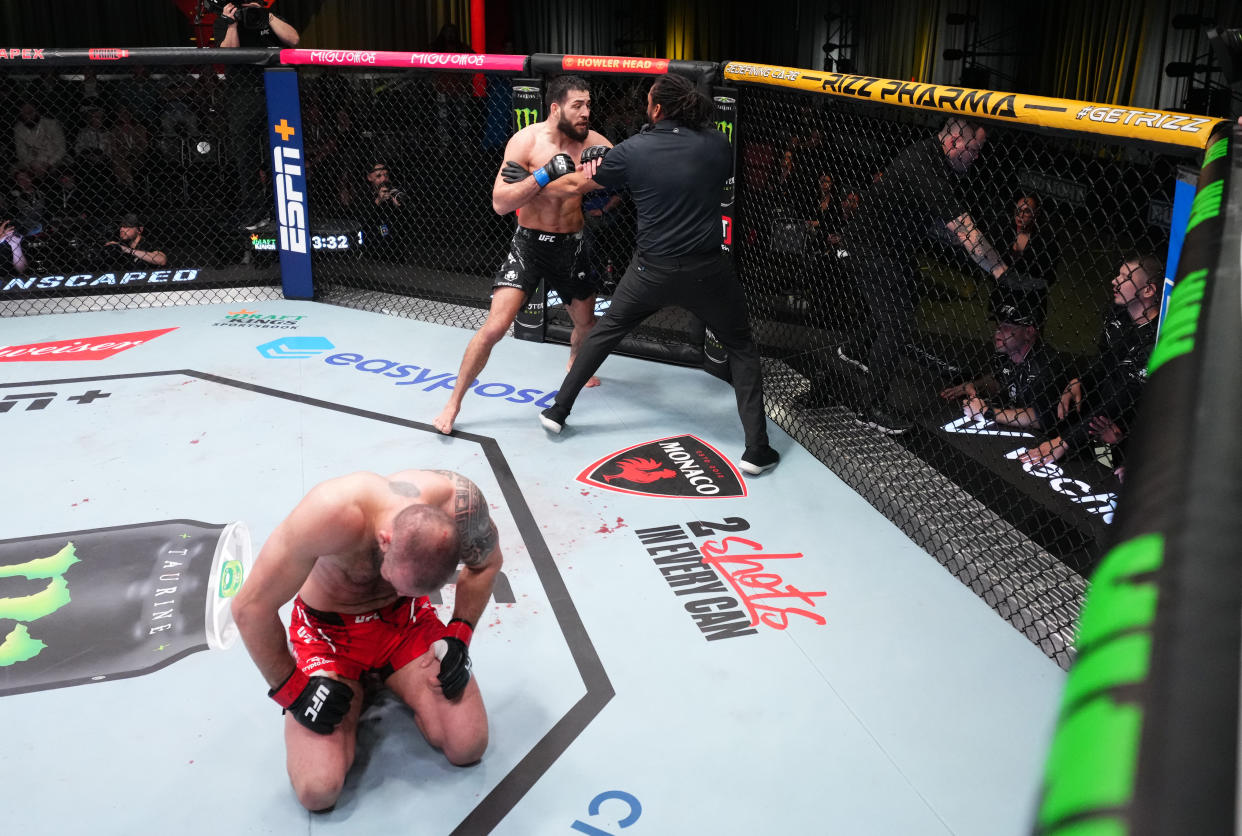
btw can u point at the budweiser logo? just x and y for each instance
(84, 348)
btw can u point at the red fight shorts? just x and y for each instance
(351, 644)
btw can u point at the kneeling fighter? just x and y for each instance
(359, 555)
(548, 243)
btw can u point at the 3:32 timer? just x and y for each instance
(332, 242)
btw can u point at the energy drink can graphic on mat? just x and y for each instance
(109, 603)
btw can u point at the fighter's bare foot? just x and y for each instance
(444, 421)
(594, 381)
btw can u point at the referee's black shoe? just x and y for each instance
(553, 419)
(760, 459)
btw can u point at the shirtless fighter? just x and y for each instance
(361, 553)
(548, 243)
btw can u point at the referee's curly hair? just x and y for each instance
(681, 100)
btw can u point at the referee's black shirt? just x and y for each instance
(675, 175)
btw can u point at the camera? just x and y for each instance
(248, 16)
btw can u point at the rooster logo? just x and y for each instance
(641, 471)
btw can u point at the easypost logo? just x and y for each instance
(679, 466)
(290, 180)
(295, 348)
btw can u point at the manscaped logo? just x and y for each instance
(103, 279)
(732, 586)
(85, 348)
(295, 348)
(682, 466)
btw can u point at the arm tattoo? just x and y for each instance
(474, 522)
(405, 489)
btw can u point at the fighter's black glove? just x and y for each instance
(513, 172)
(317, 702)
(455, 662)
(558, 166)
(595, 152)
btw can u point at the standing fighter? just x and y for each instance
(361, 553)
(548, 243)
(675, 171)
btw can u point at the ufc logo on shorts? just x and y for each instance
(547, 237)
(304, 634)
(290, 203)
(312, 710)
(363, 619)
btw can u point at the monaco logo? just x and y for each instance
(678, 466)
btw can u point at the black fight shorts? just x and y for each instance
(559, 258)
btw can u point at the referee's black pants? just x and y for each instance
(707, 286)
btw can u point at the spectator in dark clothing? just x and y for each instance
(27, 203)
(38, 141)
(253, 24)
(826, 219)
(133, 247)
(921, 190)
(12, 258)
(1022, 387)
(1111, 387)
(1032, 250)
(386, 215)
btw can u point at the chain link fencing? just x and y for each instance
(924, 295)
(870, 266)
(400, 168)
(132, 185)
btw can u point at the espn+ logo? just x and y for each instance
(289, 181)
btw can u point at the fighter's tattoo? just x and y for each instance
(405, 489)
(474, 522)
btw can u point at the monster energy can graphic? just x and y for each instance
(527, 103)
(110, 603)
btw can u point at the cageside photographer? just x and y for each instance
(251, 24)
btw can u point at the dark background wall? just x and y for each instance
(1111, 51)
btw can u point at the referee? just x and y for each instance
(675, 170)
